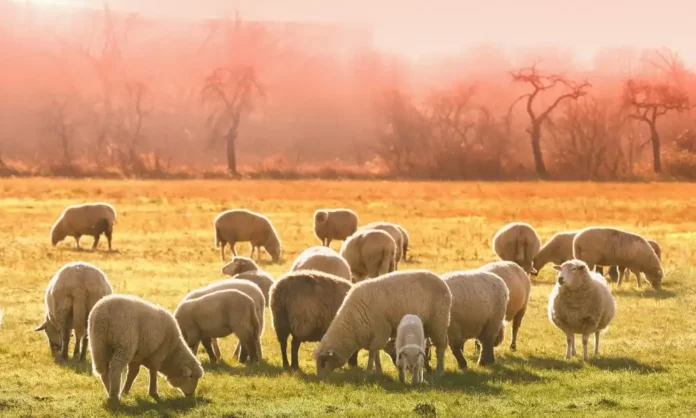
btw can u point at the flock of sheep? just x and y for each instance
(347, 301)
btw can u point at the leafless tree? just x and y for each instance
(540, 84)
(131, 129)
(647, 101)
(62, 126)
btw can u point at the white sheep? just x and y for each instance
(557, 250)
(617, 273)
(244, 268)
(371, 313)
(322, 259)
(218, 315)
(369, 253)
(91, 219)
(479, 302)
(334, 224)
(394, 231)
(604, 246)
(128, 331)
(517, 242)
(410, 348)
(519, 289)
(241, 225)
(580, 303)
(70, 296)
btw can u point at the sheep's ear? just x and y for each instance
(557, 268)
(186, 372)
(41, 327)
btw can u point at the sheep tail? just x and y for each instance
(388, 262)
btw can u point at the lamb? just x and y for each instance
(128, 331)
(218, 315)
(600, 246)
(519, 288)
(247, 287)
(517, 242)
(303, 304)
(334, 224)
(479, 302)
(394, 231)
(616, 271)
(410, 348)
(557, 250)
(88, 219)
(406, 240)
(241, 225)
(70, 296)
(244, 268)
(322, 259)
(371, 314)
(580, 303)
(369, 253)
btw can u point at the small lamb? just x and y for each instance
(410, 348)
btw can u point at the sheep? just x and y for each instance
(580, 303)
(369, 254)
(616, 271)
(128, 331)
(519, 289)
(557, 250)
(371, 313)
(410, 348)
(247, 287)
(219, 314)
(334, 224)
(70, 296)
(517, 242)
(479, 302)
(88, 219)
(244, 268)
(241, 225)
(406, 240)
(394, 231)
(322, 259)
(604, 246)
(303, 304)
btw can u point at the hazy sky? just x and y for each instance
(443, 26)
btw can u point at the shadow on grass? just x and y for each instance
(545, 363)
(602, 363)
(79, 367)
(144, 405)
(239, 369)
(625, 364)
(647, 293)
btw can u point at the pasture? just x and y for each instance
(164, 242)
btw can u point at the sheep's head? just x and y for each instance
(411, 357)
(58, 233)
(320, 217)
(537, 265)
(186, 378)
(327, 361)
(239, 265)
(572, 274)
(528, 267)
(273, 248)
(53, 335)
(655, 277)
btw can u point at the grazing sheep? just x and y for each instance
(616, 271)
(410, 348)
(371, 314)
(519, 288)
(241, 225)
(479, 302)
(394, 231)
(557, 250)
(218, 315)
(128, 331)
(517, 242)
(247, 287)
(369, 254)
(598, 246)
(244, 268)
(70, 296)
(334, 224)
(88, 219)
(580, 303)
(406, 240)
(303, 304)
(322, 259)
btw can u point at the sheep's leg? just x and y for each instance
(637, 274)
(477, 346)
(516, 323)
(294, 353)
(76, 350)
(371, 360)
(440, 354)
(596, 343)
(613, 273)
(97, 235)
(153, 385)
(353, 360)
(209, 349)
(600, 270)
(77, 243)
(378, 364)
(216, 348)
(133, 369)
(416, 376)
(83, 353)
(487, 355)
(458, 351)
(570, 346)
(328, 242)
(243, 353)
(109, 233)
(234, 251)
(585, 338)
(237, 350)
(283, 340)
(402, 375)
(65, 340)
(252, 252)
(222, 250)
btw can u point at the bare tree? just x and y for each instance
(59, 124)
(542, 83)
(232, 91)
(647, 101)
(133, 125)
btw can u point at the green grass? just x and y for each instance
(164, 239)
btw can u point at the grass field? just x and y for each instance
(164, 242)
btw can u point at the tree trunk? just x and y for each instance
(536, 150)
(655, 139)
(232, 151)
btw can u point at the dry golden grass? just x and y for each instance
(164, 238)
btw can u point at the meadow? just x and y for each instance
(164, 248)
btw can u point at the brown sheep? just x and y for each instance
(241, 225)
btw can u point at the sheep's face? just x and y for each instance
(187, 381)
(239, 265)
(53, 335)
(655, 278)
(320, 218)
(273, 250)
(410, 357)
(528, 267)
(572, 274)
(536, 266)
(58, 234)
(327, 361)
